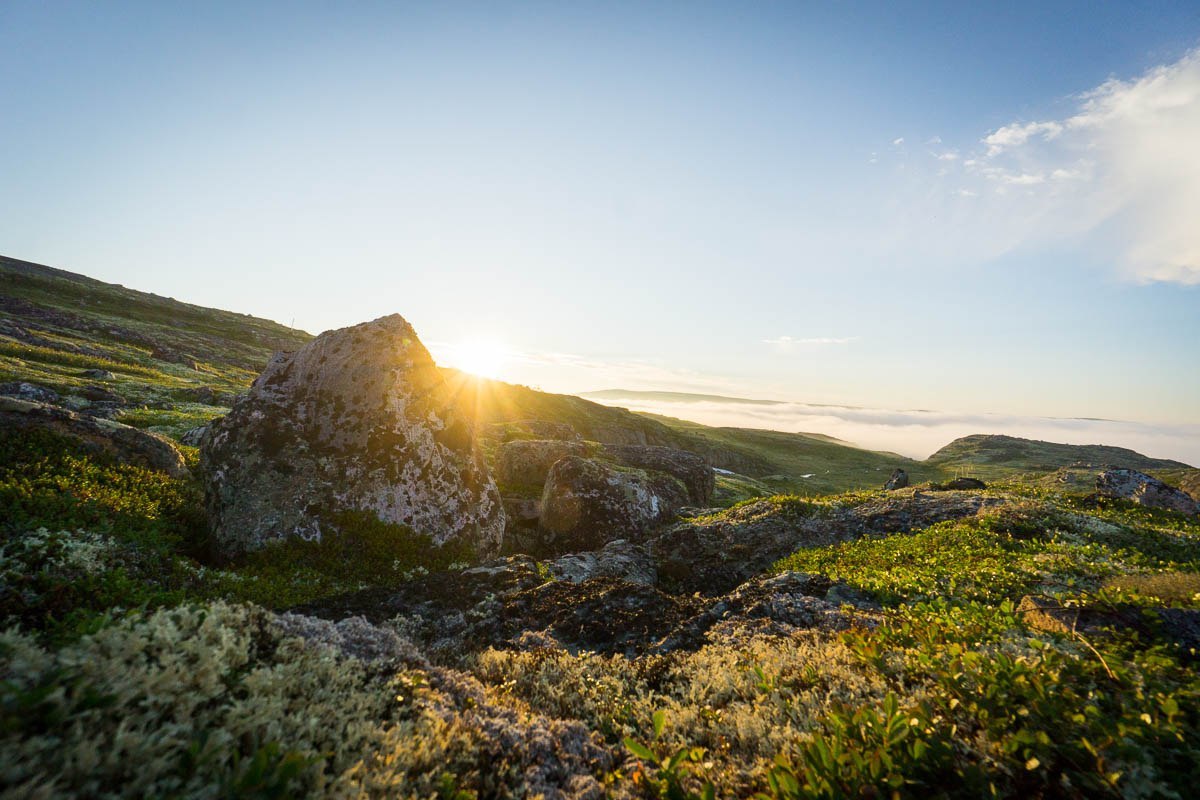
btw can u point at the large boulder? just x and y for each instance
(358, 420)
(586, 504)
(126, 444)
(690, 469)
(1129, 484)
(527, 462)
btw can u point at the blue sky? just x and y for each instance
(954, 207)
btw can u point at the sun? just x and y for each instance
(481, 357)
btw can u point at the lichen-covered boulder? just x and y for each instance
(587, 504)
(358, 420)
(692, 470)
(898, 480)
(1129, 484)
(125, 444)
(527, 462)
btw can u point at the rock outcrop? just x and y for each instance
(898, 480)
(715, 555)
(1129, 484)
(690, 469)
(126, 444)
(358, 420)
(586, 504)
(527, 462)
(31, 392)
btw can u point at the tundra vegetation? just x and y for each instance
(1046, 647)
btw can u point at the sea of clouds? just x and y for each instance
(918, 434)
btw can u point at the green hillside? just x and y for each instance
(997, 456)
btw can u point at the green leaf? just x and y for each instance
(640, 750)
(660, 722)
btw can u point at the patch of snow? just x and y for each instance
(809, 475)
(723, 471)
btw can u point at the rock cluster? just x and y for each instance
(672, 590)
(358, 420)
(1129, 484)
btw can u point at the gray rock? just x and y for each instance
(527, 462)
(97, 374)
(618, 559)
(29, 391)
(125, 444)
(898, 480)
(587, 504)
(194, 436)
(359, 419)
(1129, 484)
(690, 469)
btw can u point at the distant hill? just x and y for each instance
(675, 397)
(994, 454)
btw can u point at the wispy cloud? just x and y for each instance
(788, 341)
(1118, 175)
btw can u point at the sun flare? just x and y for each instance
(481, 357)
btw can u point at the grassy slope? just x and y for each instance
(55, 325)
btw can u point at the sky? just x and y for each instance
(962, 208)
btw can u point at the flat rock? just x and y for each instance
(126, 444)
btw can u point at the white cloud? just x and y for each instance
(1117, 177)
(1017, 134)
(949, 155)
(788, 341)
(897, 142)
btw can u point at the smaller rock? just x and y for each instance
(586, 504)
(690, 469)
(97, 374)
(1129, 484)
(29, 391)
(527, 462)
(899, 480)
(618, 559)
(194, 436)
(126, 444)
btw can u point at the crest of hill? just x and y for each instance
(1013, 453)
(49, 307)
